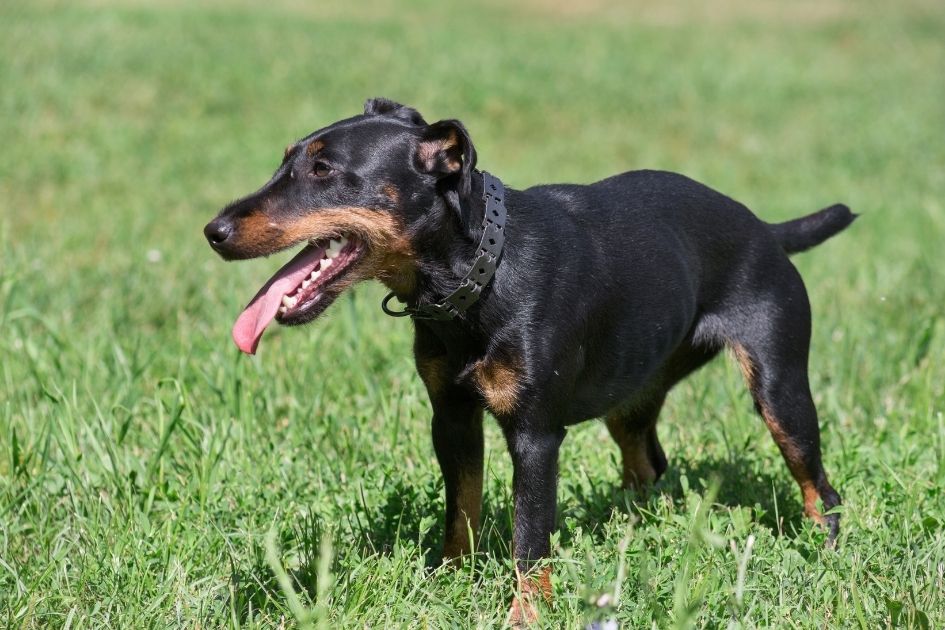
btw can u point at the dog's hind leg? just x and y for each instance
(634, 432)
(771, 344)
(633, 427)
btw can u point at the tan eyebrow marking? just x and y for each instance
(314, 147)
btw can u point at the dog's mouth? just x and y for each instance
(300, 291)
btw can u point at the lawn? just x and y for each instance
(151, 476)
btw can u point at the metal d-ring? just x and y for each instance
(407, 310)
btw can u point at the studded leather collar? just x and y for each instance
(483, 268)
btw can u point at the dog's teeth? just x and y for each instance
(314, 275)
(334, 248)
(343, 241)
(306, 284)
(289, 302)
(324, 264)
(282, 309)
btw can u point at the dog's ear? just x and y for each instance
(387, 107)
(445, 150)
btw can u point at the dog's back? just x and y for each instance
(629, 267)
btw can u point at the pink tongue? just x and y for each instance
(252, 322)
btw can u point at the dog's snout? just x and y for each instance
(218, 230)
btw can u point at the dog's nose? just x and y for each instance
(218, 230)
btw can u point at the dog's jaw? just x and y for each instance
(300, 290)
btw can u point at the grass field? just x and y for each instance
(150, 476)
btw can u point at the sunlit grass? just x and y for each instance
(151, 476)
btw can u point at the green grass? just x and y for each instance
(151, 476)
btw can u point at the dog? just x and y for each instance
(547, 306)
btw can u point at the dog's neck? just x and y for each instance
(447, 243)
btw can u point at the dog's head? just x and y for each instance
(353, 194)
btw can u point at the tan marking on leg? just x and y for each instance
(469, 508)
(499, 382)
(433, 373)
(785, 443)
(792, 454)
(638, 471)
(795, 462)
(529, 587)
(746, 365)
(810, 502)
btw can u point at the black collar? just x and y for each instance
(483, 268)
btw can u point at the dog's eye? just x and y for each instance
(321, 169)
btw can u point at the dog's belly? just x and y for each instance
(596, 402)
(623, 368)
(596, 397)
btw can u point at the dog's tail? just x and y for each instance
(801, 234)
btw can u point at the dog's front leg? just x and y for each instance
(534, 486)
(458, 442)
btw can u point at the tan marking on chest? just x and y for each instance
(499, 382)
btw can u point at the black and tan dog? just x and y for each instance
(600, 299)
